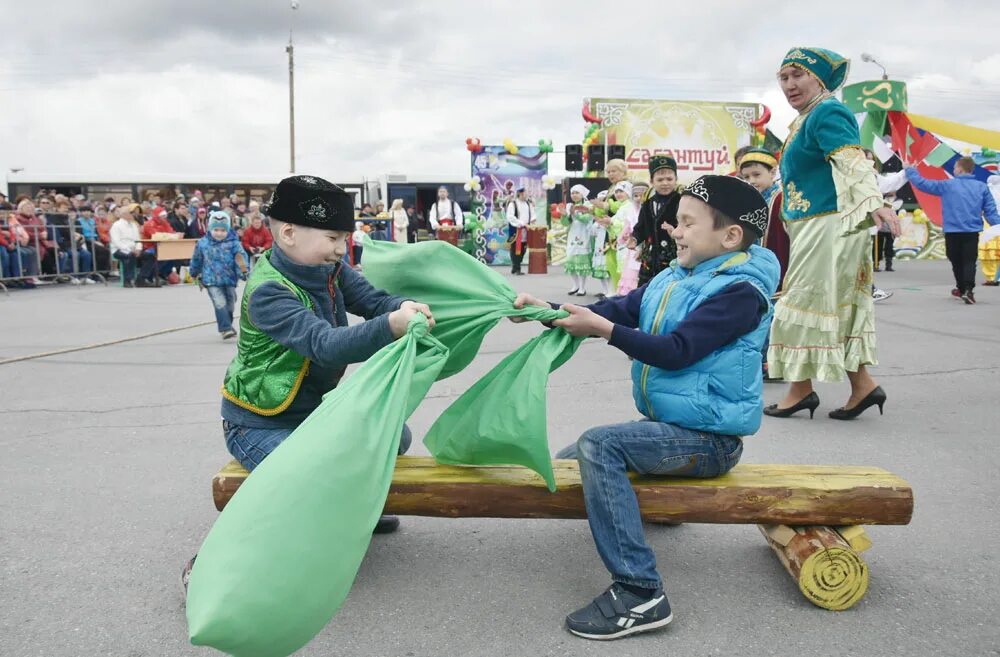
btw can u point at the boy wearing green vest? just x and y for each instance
(694, 334)
(295, 342)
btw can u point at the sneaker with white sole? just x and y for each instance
(878, 294)
(618, 612)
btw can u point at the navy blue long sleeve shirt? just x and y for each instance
(713, 324)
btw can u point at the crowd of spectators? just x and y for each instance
(55, 238)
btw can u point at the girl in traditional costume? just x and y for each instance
(600, 231)
(624, 222)
(579, 253)
(824, 323)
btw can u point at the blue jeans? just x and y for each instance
(250, 446)
(647, 447)
(84, 261)
(224, 302)
(5, 259)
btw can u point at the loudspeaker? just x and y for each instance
(574, 157)
(595, 158)
(616, 152)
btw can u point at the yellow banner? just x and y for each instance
(952, 130)
(701, 136)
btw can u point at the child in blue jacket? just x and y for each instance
(695, 334)
(217, 263)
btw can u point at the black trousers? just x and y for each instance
(885, 248)
(963, 251)
(515, 258)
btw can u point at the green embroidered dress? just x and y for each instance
(824, 321)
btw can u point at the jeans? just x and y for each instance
(147, 264)
(224, 301)
(84, 261)
(656, 448)
(250, 446)
(963, 251)
(5, 259)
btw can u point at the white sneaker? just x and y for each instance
(75, 281)
(89, 281)
(878, 294)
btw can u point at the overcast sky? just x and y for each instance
(185, 87)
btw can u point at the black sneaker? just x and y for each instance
(617, 613)
(969, 298)
(386, 525)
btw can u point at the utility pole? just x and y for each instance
(291, 100)
(290, 49)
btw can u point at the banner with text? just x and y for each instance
(702, 136)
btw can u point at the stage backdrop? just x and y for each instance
(501, 173)
(701, 136)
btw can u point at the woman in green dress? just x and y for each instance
(824, 324)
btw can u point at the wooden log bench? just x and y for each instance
(810, 515)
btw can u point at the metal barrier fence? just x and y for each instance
(21, 262)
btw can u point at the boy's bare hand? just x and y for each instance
(584, 323)
(524, 299)
(400, 319)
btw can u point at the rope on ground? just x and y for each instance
(98, 345)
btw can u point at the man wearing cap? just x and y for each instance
(520, 213)
(657, 213)
(695, 334)
(295, 342)
(444, 212)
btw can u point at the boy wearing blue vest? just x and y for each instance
(295, 342)
(695, 334)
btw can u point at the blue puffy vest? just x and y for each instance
(721, 393)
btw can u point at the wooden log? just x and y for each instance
(829, 573)
(856, 537)
(749, 494)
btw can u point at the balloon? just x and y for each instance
(509, 146)
(473, 145)
(549, 182)
(587, 116)
(544, 145)
(473, 185)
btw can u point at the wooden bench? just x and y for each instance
(810, 515)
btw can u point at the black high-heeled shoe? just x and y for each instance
(810, 401)
(874, 398)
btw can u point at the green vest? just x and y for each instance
(265, 376)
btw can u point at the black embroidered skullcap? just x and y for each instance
(734, 198)
(311, 201)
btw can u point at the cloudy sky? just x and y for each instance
(185, 87)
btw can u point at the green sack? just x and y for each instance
(500, 419)
(466, 296)
(282, 556)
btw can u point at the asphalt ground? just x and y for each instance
(106, 457)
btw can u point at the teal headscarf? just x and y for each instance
(825, 65)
